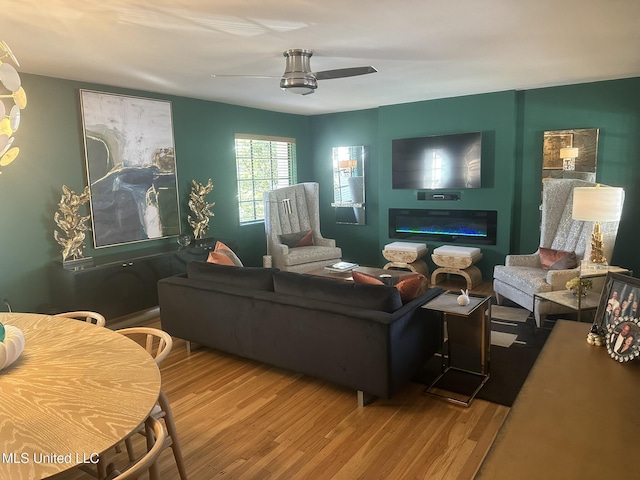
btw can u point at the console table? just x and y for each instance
(575, 417)
(119, 284)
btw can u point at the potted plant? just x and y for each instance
(577, 284)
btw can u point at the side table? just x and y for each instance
(579, 302)
(467, 326)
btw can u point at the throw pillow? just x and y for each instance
(297, 239)
(365, 278)
(223, 255)
(220, 259)
(409, 286)
(557, 259)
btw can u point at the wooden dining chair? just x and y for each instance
(86, 316)
(158, 343)
(156, 437)
(155, 341)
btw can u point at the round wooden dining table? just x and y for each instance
(75, 391)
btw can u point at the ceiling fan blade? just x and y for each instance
(343, 72)
(245, 76)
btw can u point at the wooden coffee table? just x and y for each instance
(393, 276)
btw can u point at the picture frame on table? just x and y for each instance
(623, 339)
(618, 316)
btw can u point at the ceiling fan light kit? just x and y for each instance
(297, 77)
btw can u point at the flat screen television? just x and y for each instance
(437, 162)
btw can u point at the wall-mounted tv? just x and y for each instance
(437, 162)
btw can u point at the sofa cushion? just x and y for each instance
(256, 278)
(372, 297)
(316, 253)
(529, 280)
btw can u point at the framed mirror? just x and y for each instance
(570, 154)
(348, 184)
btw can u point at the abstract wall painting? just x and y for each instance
(131, 168)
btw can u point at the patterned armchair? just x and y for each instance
(295, 210)
(522, 275)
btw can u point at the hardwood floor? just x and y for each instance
(240, 419)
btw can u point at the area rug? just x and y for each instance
(514, 349)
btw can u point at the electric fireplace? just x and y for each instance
(443, 225)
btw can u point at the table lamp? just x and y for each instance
(597, 204)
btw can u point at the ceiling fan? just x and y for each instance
(298, 77)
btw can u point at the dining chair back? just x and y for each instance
(86, 316)
(156, 436)
(157, 342)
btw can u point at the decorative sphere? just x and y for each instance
(184, 239)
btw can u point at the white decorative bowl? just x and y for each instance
(12, 346)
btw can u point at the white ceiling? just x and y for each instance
(423, 49)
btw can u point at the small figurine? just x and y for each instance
(464, 298)
(595, 337)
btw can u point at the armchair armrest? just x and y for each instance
(278, 253)
(281, 249)
(531, 260)
(558, 278)
(325, 242)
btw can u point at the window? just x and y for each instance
(263, 163)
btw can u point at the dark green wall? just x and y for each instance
(52, 155)
(493, 114)
(205, 133)
(513, 124)
(358, 242)
(614, 108)
(50, 139)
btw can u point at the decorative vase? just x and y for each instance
(12, 345)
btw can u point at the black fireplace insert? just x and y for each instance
(444, 225)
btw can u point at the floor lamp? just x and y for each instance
(597, 204)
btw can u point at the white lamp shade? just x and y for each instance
(597, 204)
(568, 152)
